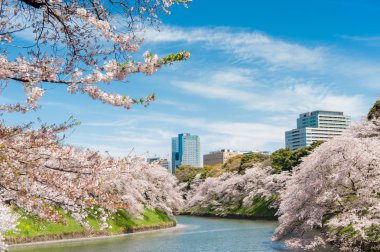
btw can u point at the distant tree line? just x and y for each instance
(281, 160)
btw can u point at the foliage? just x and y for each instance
(335, 190)
(212, 171)
(280, 160)
(78, 44)
(186, 173)
(286, 159)
(233, 163)
(260, 207)
(374, 111)
(241, 162)
(238, 163)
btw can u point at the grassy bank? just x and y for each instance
(32, 228)
(259, 209)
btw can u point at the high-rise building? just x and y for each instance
(186, 150)
(316, 126)
(175, 154)
(219, 157)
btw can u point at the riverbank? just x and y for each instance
(84, 235)
(199, 234)
(32, 229)
(229, 216)
(150, 229)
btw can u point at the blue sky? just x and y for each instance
(255, 65)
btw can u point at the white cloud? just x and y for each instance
(291, 96)
(248, 46)
(275, 55)
(152, 133)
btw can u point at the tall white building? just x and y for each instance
(316, 126)
(186, 150)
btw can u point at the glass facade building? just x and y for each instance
(316, 126)
(186, 150)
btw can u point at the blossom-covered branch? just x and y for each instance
(79, 44)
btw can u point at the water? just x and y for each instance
(198, 235)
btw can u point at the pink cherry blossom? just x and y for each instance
(79, 44)
(40, 175)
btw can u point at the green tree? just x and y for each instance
(212, 171)
(248, 160)
(374, 111)
(282, 159)
(186, 173)
(285, 159)
(242, 162)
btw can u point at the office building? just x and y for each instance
(186, 150)
(219, 157)
(316, 126)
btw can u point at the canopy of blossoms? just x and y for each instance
(40, 176)
(224, 193)
(336, 191)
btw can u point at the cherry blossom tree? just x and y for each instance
(79, 44)
(333, 195)
(40, 176)
(224, 193)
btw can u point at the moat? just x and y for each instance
(193, 234)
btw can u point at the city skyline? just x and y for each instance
(321, 122)
(314, 119)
